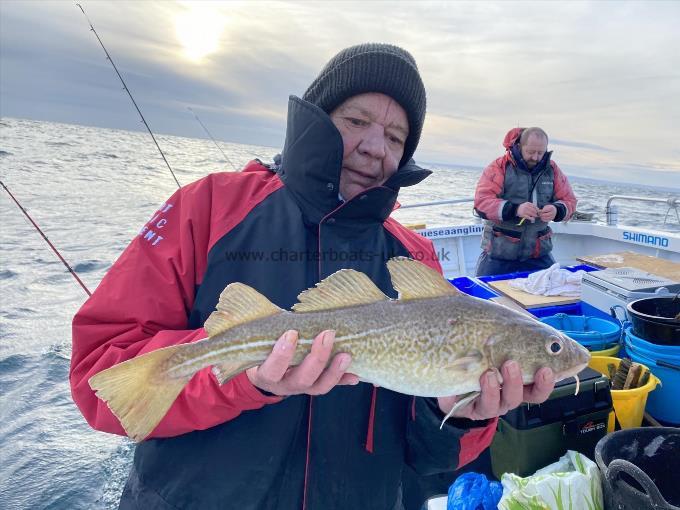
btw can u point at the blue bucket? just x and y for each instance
(666, 352)
(593, 333)
(664, 362)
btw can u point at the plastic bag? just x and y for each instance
(472, 491)
(571, 482)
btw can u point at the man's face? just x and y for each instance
(534, 149)
(374, 128)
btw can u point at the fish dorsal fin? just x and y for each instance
(414, 280)
(342, 289)
(238, 304)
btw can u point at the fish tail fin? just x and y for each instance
(138, 391)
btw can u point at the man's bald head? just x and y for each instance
(532, 131)
(533, 143)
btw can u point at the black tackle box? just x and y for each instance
(535, 435)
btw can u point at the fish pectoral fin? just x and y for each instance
(225, 371)
(471, 361)
(238, 304)
(463, 400)
(342, 289)
(414, 280)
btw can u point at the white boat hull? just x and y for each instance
(458, 247)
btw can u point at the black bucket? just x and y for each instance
(640, 468)
(654, 319)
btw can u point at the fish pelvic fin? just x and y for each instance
(137, 391)
(238, 304)
(225, 371)
(414, 280)
(463, 401)
(342, 289)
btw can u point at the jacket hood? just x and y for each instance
(512, 137)
(311, 163)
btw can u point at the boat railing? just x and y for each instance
(612, 210)
(440, 202)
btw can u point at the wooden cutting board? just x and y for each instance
(506, 301)
(526, 300)
(659, 267)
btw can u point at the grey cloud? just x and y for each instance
(486, 65)
(582, 145)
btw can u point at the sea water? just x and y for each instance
(90, 190)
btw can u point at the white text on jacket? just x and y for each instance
(150, 231)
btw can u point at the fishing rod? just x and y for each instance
(28, 216)
(70, 269)
(213, 139)
(108, 57)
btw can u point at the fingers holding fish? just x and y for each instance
(313, 376)
(269, 374)
(542, 387)
(513, 386)
(306, 375)
(476, 405)
(318, 373)
(496, 399)
(334, 375)
(492, 400)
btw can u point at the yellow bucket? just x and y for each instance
(629, 405)
(612, 351)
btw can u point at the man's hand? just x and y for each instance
(548, 213)
(496, 401)
(528, 211)
(314, 376)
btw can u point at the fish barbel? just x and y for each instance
(432, 341)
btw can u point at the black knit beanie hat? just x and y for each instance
(373, 67)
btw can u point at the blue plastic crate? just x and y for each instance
(547, 311)
(579, 308)
(473, 288)
(524, 274)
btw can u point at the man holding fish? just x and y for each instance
(190, 347)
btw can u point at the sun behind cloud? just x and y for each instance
(199, 29)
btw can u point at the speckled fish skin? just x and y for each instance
(426, 347)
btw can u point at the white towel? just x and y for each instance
(551, 282)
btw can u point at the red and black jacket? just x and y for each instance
(280, 230)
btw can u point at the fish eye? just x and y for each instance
(554, 345)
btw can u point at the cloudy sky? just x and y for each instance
(602, 78)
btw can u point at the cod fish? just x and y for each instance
(432, 341)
